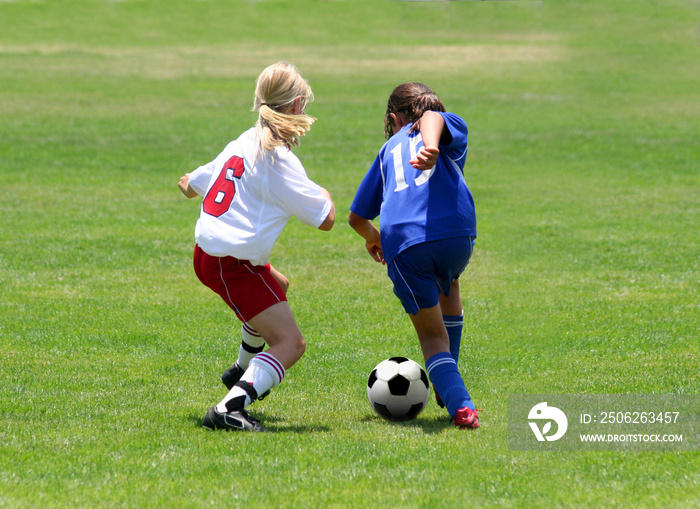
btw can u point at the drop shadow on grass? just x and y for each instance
(276, 424)
(429, 425)
(268, 423)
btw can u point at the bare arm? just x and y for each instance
(185, 187)
(366, 229)
(328, 223)
(432, 128)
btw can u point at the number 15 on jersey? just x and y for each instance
(399, 174)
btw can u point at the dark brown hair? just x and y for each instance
(411, 100)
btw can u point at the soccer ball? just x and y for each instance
(398, 389)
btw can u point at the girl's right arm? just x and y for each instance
(366, 229)
(432, 127)
(185, 187)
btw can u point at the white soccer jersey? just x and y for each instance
(247, 202)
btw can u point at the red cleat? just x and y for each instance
(466, 418)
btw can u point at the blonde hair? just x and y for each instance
(276, 90)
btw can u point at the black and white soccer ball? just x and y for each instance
(398, 389)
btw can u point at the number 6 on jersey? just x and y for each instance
(220, 196)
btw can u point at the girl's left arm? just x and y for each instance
(327, 223)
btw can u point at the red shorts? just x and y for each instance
(247, 289)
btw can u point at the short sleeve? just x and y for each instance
(292, 190)
(200, 178)
(368, 199)
(457, 147)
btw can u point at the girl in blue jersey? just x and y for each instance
(428, 226)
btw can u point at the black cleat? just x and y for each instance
(232, 375)
(238, 420)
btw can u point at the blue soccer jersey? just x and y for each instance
(418, 206)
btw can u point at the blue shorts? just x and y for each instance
(422, 271)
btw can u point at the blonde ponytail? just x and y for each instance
(280, 89)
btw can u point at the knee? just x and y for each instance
(299, 346)
(280, 278)
(291, 350)
(294, 345)
(284, 283)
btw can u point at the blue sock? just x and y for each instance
(454, 325)
(448, 383)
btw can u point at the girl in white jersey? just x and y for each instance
(250, 191)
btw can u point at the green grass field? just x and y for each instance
(584, 164)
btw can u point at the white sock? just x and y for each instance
(251, 345)
(264, 373)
